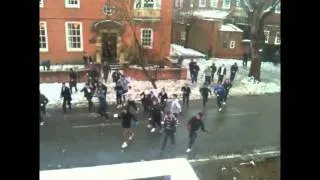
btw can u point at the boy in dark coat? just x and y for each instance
(128, 134)
(66, 95)
(116, 76)
(233, 71)
(119, 93)
(195, 72)
(186, 91)
(156, 114)
(163, 96)
(227, 86)
(213, 71)
(73, 80)
(43, 102)
(169, 124)
(144, 101)
(102, 102)
(88, 94)
(193, 125)
(204, 90)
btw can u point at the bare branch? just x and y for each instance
(270, 9)
(247, 6)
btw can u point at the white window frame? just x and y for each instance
(232, 44)
(238, 4)
(266, 35)
(67, 5)
(202, 3)
(70, 49)
(46, 36)
(156, 4)
(183, 35)
(276, 39)
(278, 9)
(224, 5)
(151, 39)
(214, 3)
(41, 3)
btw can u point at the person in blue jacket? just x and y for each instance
(220, 93)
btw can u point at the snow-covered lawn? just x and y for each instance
(270, 82)
(63, 67)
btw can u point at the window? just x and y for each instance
(232, 44)
(202, 3)
(147, 38)
(214, 3)
(278, 9)
(74, 36)
(147, 4)
(43, 37)
(226, 4)
(179, 3)
(225, 44)
(183, 35)
(72, 3)
(266, 36)
(108, 10)
(277, 40)
(238, 4)
(41, 3)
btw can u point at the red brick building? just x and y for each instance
(208, 31)
(105, 29)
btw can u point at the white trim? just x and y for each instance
(278, 11)
(238, 4)
(156, 4)
(46, 35)
(81, 37)
(276, 39)
(232, 44)
(183, 35)
(202, 1)
(224, 4)
(67, 5)
(41, 3)
(214, 3)
(141, 37)
(266, 36)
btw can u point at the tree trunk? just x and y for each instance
(255, 66)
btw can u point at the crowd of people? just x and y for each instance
(162, 116)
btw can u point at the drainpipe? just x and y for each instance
(187, 36)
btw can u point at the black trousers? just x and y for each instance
(219, 101)
(43, 109)
(208, 79)
(171, 135)
(232, 75)
(185, 99)
(145, 106)
(204, 100)
(226, 96)
(40, 117)
(103, 108)
(89, 99)
(65, 102)
(220, 79)
(73, 84)
(244, 62)
(156, 120)
(192, 138)
(212, 77)
(119, 99)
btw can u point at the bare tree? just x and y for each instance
(258, 11)
(125, 14)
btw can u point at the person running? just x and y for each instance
(193, 125)
(233, 71)
(119, 92)
(156, 115)
(132, 107)
(213, 71)
(124, 83)
(128, 134)
(43, 102)
(73, 80)
(116, 76)
(66, 95)
(222, 71)
(175, 106)
(144, 100)
(102, 103)
(220, 93)
(204, 90)
(169, 124)
(186, 91)
(163, 96)
(227, 86)
(207, 73)
(88, 94)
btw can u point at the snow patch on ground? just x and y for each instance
(63, 67)
(177, 50)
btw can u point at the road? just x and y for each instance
(77, 139)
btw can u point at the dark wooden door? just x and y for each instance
(109, 47)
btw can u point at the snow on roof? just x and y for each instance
(180, 50)
(230, 27)
(211, 14)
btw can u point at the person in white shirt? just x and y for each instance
(222, 71)
(175, 107)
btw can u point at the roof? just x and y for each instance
(138, 170)
(211, 14)
(230, 28)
